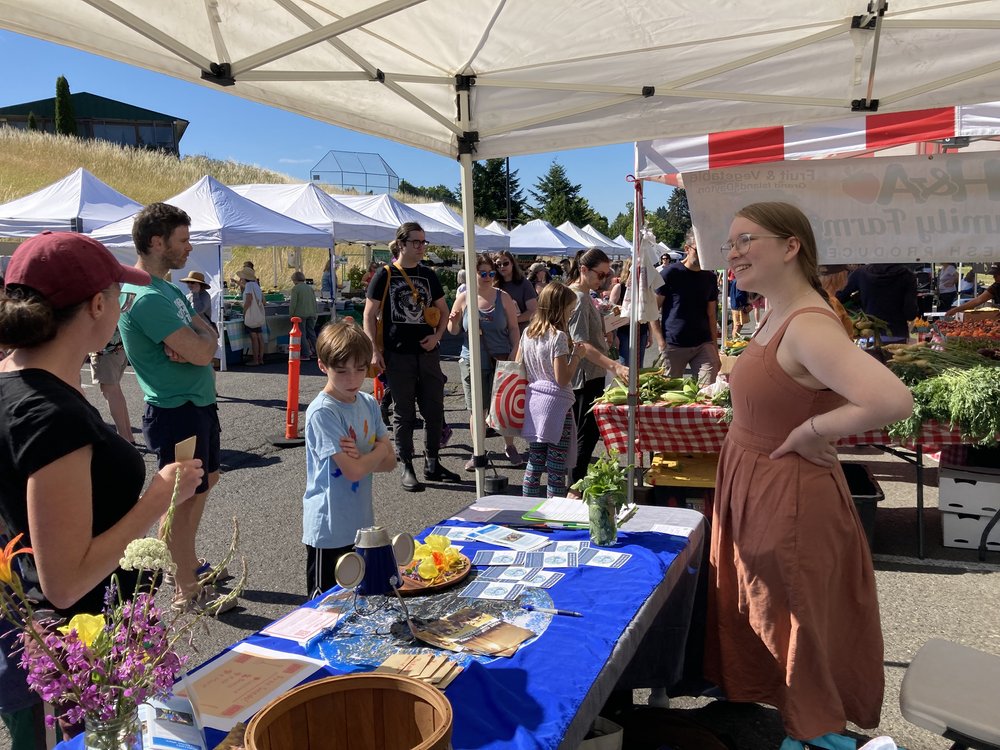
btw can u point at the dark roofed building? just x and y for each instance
(104, 119)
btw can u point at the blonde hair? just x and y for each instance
(343, 343)
(554, 302)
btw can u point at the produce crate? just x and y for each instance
(866, 493)
(965, 530)
(684, 480)
(978, 315)
(968, 492)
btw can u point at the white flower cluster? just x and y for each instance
(147, 554)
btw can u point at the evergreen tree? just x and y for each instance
(32, 121)
(489, 183)
(558, 200)
(676, 218)
(65, 122)
(623, 223)
(435, 193)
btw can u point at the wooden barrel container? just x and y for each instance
(354, 712)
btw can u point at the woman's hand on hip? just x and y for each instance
(812, 447)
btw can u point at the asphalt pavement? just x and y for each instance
(948, 594)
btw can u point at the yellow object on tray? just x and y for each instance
(683, 470)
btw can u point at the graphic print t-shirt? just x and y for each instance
(403, 324)
(333, 508)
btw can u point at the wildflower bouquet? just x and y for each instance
(98, 668)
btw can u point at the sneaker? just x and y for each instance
(514, 456)
(209, 601)
(205, 572)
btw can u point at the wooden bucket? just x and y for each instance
(354, 712)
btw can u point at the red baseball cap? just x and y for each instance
(67, 268)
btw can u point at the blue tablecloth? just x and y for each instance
(548, 693)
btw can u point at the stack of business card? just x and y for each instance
(521, 541)
(434, 670)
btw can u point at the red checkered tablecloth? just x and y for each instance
(699, 429)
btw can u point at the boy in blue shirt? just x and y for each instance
(346, 441)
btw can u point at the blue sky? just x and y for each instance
(228, 127)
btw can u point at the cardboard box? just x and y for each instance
(968, 492)
(981, 314)
(964, 531)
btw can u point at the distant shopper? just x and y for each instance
(992, 294)
(539, 275)
(106, 369)
(511, 280)
(346, 443)
(302, 304)
(253, 297)
(947, 284)
(887, 291)
(688, 329)
(409, 298)
(198, 295)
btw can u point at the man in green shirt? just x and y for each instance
(303, 304)
(171, 349)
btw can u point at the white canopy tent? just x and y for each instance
(220, 218)
(490, 79)
(445, 214)
(588, 240)
(307, 203)
(79, 202)
(603, 239)
(498, 228)
(538, 237)
(387, 209)
(620, 239)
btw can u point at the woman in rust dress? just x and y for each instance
(793, 611)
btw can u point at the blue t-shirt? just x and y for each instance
(686, 295)
(333, 508)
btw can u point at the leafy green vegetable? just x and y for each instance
(967, 399)
(605, 477)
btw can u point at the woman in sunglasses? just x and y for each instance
(499, 338)
(589, 273)
(511, 280)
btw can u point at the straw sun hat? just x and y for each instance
(197, 277)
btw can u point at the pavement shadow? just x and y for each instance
(232, 460)
(272, 403)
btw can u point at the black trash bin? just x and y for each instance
(866, 493)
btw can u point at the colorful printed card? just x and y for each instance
(498, 557)
(492, 590)
(600, 558)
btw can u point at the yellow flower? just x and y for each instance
(427, 569)
(7, 556)
(438, 542)
(87, 627)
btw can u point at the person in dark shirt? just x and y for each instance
(688, 328)
(992, 294)
(411, 358)
(887, 291)
(68, 482)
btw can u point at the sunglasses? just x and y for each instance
(601, 275)
(125, 300)
(503, 264)
(487, 274)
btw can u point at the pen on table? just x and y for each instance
(551, 611)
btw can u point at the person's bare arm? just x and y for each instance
(529, 310)
(816, 355)
(982, 299)
(713, 321)
(60, 496)
(372, 307)
(513, 331)
(389, 462)
(455, 316)
(356, 469)
(195, 343)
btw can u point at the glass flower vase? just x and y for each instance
(124, 732)
(603, 521)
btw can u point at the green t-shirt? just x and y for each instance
(302, 301)
(157, 311)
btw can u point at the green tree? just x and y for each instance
(600, 223)
(64, 120)
(490, 186)
(676, 218)
(623, 223)
(558, 200)
(32, 121)
(435, 193)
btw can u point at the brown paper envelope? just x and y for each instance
(454, 672)
(184, 450)
(417, 666)
(431, 668)
(395, 664)
(443, 668)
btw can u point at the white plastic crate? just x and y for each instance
(968, 492)
(964, 531)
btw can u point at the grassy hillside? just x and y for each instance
(30, 160)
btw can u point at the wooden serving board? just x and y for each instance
(414, 587)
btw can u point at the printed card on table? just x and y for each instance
(545, 579)
(455, 533)
(576, 547)
(502, 536)
(600, 558)
(498, 557)
(512, 573)
(302, 624)
(492, 590)
(552, 559)
(666, 528)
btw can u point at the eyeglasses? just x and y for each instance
(125, 300)
(487, 274)
(418, 243)
(742, 244)
(503, 263)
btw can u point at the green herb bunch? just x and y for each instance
(605, 478)
(967, 399)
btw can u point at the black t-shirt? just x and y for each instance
(994, 290)
(686, 294)
(43, 419)
(403, 324)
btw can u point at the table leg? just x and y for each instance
(919, 454)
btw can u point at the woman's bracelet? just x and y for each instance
(812, 425)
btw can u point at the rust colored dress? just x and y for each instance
(793, 617)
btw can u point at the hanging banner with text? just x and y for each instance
(910, 209)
